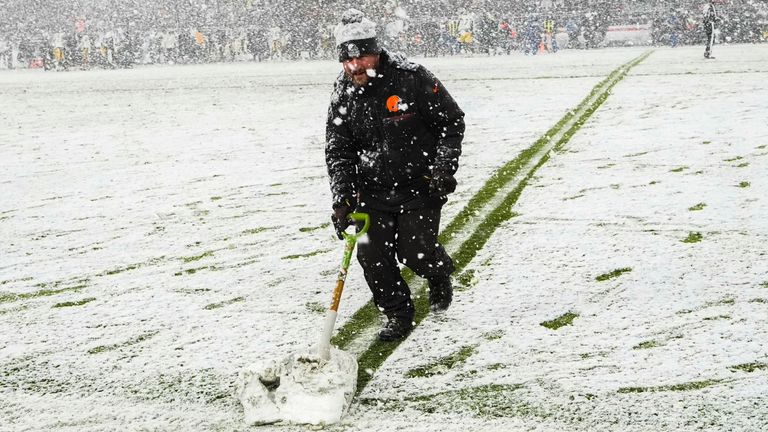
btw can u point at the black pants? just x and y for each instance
(710, 39)
(411, 239)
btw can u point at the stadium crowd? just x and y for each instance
(56, 35)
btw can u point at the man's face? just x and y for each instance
(361, 69)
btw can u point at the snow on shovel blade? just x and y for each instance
(311, 388)
(298, 389)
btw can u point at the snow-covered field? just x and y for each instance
(165, 226)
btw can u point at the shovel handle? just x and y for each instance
(358, 217)
(351, 240)
(324, 345)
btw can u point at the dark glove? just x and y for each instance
(441, 184)
(340, 219)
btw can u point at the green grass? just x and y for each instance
(133, 341)
(193, 270)
(485, 401)
(717, 318)
(744, 184)
(493, 335)
(131, 267)
(742, 165)
(215, 198)
(24, 374)
(11, 297)
(749, 367)
(613, 274)
(121, 269)
(465, 280)
(690, 386)
(724, 302)
(315, 228)
(678, 169)
(697, 207)
(306, 255)
(764, 284)
(733, 159)
(442, 365)
(491, 400)
(256, 230)
(646, 345)
(74, 303)
(561, 321)
(192, 290)
(693, 237)
(573, 197)
(13, 309)
(26, 279)
(316, 307)
(187, 386)
(512, 168)
(197, 257)
(224, 303)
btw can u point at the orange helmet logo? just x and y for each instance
(393, 103)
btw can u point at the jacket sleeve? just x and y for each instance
(341, 155)
(446, 120)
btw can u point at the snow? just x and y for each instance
(309, 390)
(188, 208)
(354, 26)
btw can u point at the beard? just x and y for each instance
(362, 77)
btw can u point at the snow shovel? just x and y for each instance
(308, 388)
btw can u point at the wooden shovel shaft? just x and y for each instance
(324, 345)
(350, 246)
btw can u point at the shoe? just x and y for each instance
(396, 328)
(440, 293)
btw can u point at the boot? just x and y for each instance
(440, 293)
(396, 328)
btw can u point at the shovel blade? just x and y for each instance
(300, 388)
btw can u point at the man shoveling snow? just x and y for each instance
(393, 144)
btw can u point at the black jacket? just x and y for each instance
(710, 18)
(385, 140)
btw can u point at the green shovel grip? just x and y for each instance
(358, 217)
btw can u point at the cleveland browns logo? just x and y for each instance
(393, 103)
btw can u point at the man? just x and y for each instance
(709, 26)
(5, 49)
(85, 50)
(549, 35)
(467, 30)
(59, 46)
(393, 144)
(574, 31)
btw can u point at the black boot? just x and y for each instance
(396, 328)
(440, 293)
